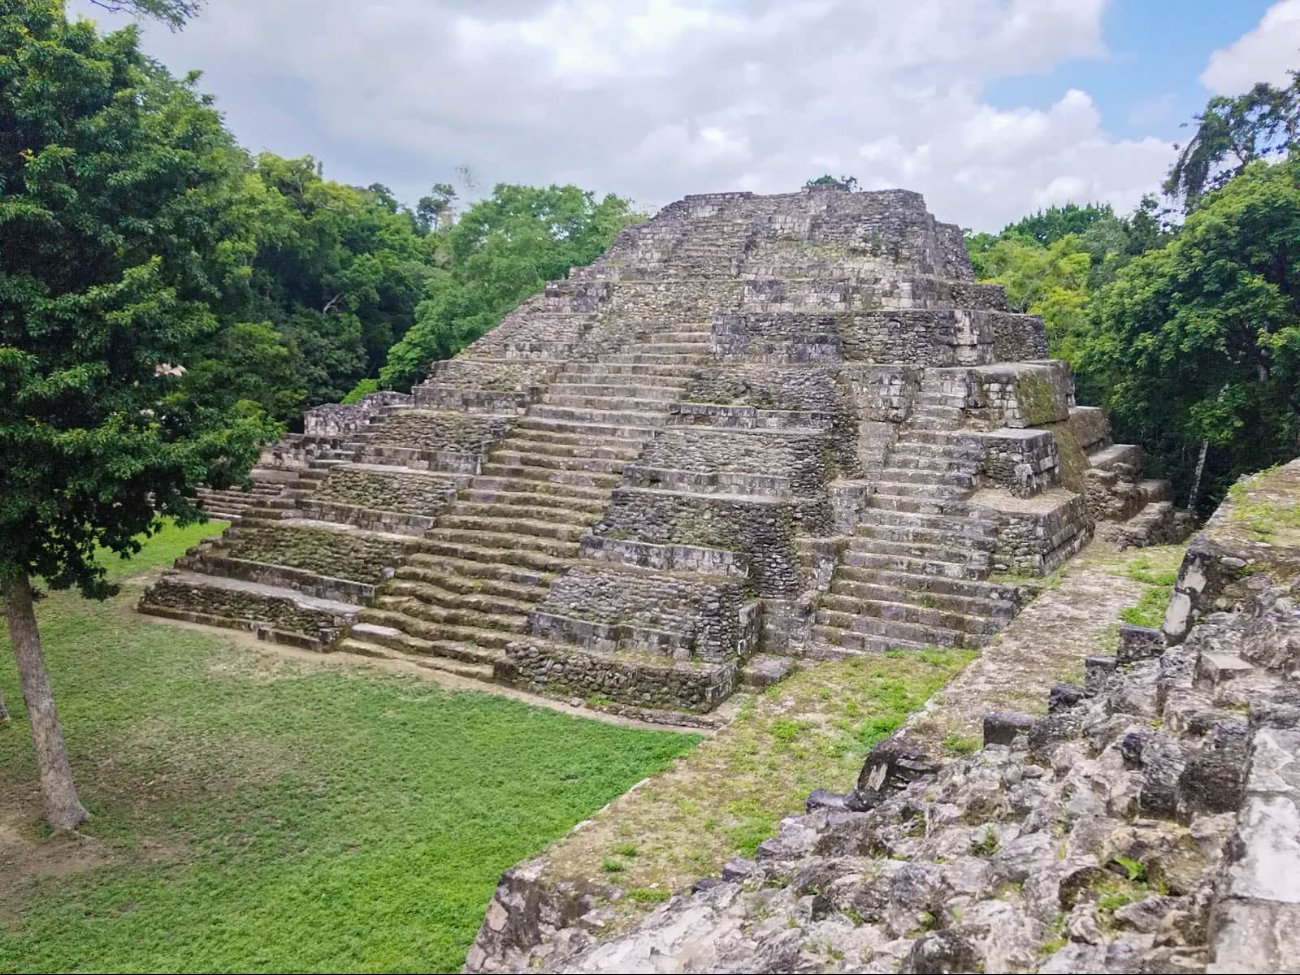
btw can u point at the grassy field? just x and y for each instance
(259, 814)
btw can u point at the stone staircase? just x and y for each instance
(468, 585)
(913, 572)
(633, 488)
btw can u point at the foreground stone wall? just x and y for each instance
(1146, 824)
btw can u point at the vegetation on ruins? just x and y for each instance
(849, 183)
(227, 838)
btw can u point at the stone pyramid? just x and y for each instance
(758, 429)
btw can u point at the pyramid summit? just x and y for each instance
(757, 430)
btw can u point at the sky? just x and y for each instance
(991, 108)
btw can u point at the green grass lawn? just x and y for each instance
(258, 814)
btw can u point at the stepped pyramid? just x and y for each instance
(757, 429)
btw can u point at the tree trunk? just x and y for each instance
(63, 810)
(1196, 480)
(4, 711)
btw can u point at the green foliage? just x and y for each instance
(172, 12)
(955, 744)
(1199, 340)
(226, 838)
(115, 243)
(1135, 870)
(826, 179)
(649, 895)
(501, 250)
(1231, 133)
(361, 390)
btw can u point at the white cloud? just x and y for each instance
(659, 98)
(1265, 53)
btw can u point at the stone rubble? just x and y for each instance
(1149, 823)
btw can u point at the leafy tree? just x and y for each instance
(114, 240)
(1231, 133)
(172, 12)
(435, 211)
(843, 183)
(1198, 341)
(501, 250)
(1050, 225)
(333, 279)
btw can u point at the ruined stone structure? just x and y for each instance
(758, 428)
(1148, 823)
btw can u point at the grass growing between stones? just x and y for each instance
(258, 814)
(1157, 570)
(727, 796)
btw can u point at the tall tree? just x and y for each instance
(1198, 342)
(114, 240)
(1231, 133)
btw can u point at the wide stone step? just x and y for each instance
(396, 637)
(450, 572)
(926, 422)
(905, 475)
(525, 509)
(660, 359)
(453, 615)
(846, 594)
(943, 538)
(480, 638)
(914, 503)
(467, 552)
(524, 472)
(702, 334)
(604, 427)
(943, 438)
(468, 599)
(556, 462)
(1119, 453)
(920, 581)
(918, 491)
(956, 524)
(611, 417)
(645, 373)
(510, 524)
(422, 652)
(606, 404)
(908, 612)
(862, 642)
(912, 633)
(699, 347)
(543, 491)
(938, 461)
(958, 552)
(629, 392)
(516, 539)
(624, 451)
(917, 565)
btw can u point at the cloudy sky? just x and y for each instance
(991, 108)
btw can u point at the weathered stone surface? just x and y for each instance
(1107, 842)
(736, 383)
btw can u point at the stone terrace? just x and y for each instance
(757, 429)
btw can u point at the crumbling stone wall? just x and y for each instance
(1146, 824)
